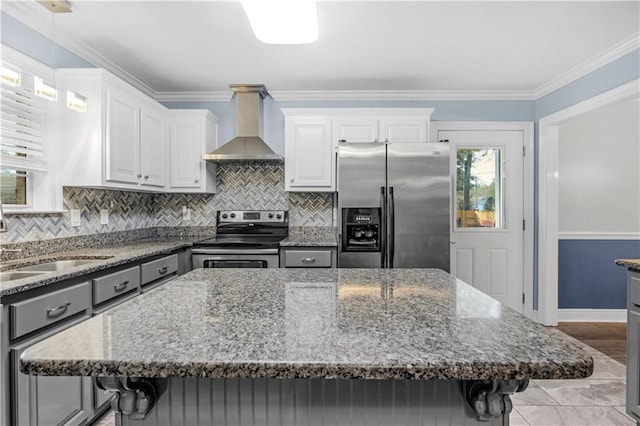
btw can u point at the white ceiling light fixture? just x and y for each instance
(283, 21)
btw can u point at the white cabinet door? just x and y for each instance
(186, 153)
(153, 147)
(309, 155)
(122, 138)
(356, 129)
(404, 129)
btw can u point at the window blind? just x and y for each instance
(22, 115)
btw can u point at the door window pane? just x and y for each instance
(478, 188)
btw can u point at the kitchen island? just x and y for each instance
(301, 346)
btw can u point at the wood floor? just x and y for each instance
(607, 337)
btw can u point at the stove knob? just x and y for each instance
(278, 216)
(270, 215)
(224, 215)
(233, 215)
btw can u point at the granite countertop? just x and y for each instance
(105, 256)
(629, 263)
(311, 323)
(311, 236)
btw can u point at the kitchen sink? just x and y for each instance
(57, 265)
(16, 275)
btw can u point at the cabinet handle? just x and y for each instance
(56, 312)
(308, 260)
(386, 139)
(163, 270)
(121, 286)
(138, 176)
(375, 139)
(196, 180)
(146, 177)
(291, 180)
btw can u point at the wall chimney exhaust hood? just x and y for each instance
(248, 144)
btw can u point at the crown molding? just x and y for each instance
(400, 95)
(218, 96)
(616, 51)
(33, 15)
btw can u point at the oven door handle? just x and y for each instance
(221, 251)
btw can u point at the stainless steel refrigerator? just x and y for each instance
(393, 205)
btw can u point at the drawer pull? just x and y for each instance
(308, 260)
(56, 312)
(121, 286)
(163, 270)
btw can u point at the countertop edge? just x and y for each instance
(632, 264)
(453, 371)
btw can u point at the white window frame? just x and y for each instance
(44, 194)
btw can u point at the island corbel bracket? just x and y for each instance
(132, 396)
(490, 398)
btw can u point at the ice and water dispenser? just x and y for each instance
(361, 229)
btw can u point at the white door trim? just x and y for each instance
(548, 210)
(528, 179)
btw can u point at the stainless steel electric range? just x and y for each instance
(244, 239)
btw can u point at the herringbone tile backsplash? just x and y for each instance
(257, 186)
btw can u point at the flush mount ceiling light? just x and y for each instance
(283, 21)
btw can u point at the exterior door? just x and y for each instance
(487, 235)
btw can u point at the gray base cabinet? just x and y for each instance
(37, 314)
(308, 257)
(633, 345)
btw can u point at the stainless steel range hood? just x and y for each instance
(248, 144)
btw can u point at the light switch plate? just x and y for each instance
(186, 213)
(75, 217)
(104, 217)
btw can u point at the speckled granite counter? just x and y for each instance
(311, 236)
(633, 264)
(106, 257)
(303, 323)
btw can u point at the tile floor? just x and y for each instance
(596, 401)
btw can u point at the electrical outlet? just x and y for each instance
(104, 217)
(186, 213)
(75, 217)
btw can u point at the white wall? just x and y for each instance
(599, 165)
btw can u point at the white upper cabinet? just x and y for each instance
(120, 142)
(308, 154)
(193, 133)
(153, 146)
(312, 136)
(356, 129)
(122, 137)
(404, 129)
(382, 125)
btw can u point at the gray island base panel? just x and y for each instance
(330, 341)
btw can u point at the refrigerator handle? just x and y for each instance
(392, 227)
(383, 226)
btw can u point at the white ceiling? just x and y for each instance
(203, 46)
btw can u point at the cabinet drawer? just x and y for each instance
(307, 259)
(160, 268)
(47, 309)
(116, 284)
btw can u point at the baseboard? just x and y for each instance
(592, 315)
